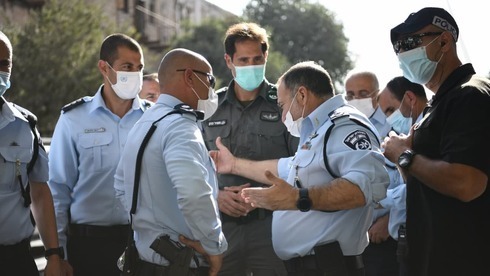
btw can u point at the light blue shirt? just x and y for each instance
(85, 150)
(395, 201)
(178, 186)
(378, 119)
(295, 233)
(16, 150)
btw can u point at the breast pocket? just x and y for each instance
(14, 159)
(270, 139)
(215, 129)
(302, 165)
(93, 146)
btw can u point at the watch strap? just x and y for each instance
(55, 251)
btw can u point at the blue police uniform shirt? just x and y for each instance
(354, 154)
(178, 186)
(16, 150)
(378, 119)
(84, 153)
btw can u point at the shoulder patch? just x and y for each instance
(73, 104)
(358, 140)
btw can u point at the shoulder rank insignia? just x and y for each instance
(73, 104)
(184, 108)
(272, 94)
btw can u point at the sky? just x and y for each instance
(367, 25)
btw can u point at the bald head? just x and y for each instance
(183, 74)
(178, 59)
(5, 53)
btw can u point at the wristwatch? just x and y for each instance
(55, 251)
(304, 201)
(406, 158)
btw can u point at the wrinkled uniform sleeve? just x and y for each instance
(354, 154)
(63, 174)
(187, 161)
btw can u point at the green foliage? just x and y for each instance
(207, 39)
(55, 57)
(303, 31)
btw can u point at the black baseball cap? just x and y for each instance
(426, 16)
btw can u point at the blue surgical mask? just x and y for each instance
(399, 123)
(250, 77)
(4, 82)
(416, 66)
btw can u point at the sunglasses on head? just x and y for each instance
(411, 42)
(211, 78)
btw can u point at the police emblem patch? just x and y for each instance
(358, 140)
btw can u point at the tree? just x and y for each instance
(304, 31)
(55, 57)
(207, 39)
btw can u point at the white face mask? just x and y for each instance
(210, 105)
(128, 84)
(416, 66)
(363, 105)
(294, 127)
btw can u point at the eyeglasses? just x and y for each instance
(410, 42)
(363, 94)
(211, 78)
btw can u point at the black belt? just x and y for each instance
(256, 214)
(95, 231)
(151, 269)
(310, 263)
(24, 244)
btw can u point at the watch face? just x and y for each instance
(403, 161)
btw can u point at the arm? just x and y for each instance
(459, 181)
(227, 163)
(340, 194)
(43, 212)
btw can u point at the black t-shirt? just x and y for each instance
(445, 235)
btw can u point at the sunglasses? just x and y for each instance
(211, 78)
(411, 42)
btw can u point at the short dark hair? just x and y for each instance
(111, 44)
(310, 75)
(245, 31)
(399, 85)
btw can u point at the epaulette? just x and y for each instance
(27, 114)
(222, 90)
(337, 114)
(73, 104)
(272, 94)
(186, 109)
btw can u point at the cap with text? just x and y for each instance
(426, 16)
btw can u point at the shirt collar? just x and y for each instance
(457, 77)
(98, 101)
(321, 114)
(231, 96)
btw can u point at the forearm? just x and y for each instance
(254, 169)
(43, 212)
(340, 194)
(455, 180)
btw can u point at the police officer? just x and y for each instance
(325, 207)
(402, 101)
(248, 121)
(85, 150)
(21, 148)
(445, 158)
(361, 91)
(178, 188)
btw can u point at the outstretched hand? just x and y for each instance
(222, 157)
(279, 196)
(214, 261)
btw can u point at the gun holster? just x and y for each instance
(330, 259)
(179, 256)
